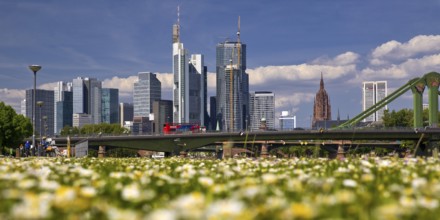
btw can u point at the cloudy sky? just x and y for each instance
(289, 44)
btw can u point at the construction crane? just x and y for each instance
(231, 77)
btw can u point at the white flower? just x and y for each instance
(131, 192)
(349, 183)
(206, 181)
(88, 191)
(418, 183)
(224, 209)
(162, 214)
(428, 203)
(269, 178)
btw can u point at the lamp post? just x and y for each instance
(34, 69)
(40, 104)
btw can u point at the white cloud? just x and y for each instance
(268, 74)
(12, 97)
(344, 59)
(407, 70)
(289, 101)
(393, 51)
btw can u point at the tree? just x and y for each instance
(13, 128)
(403, 118)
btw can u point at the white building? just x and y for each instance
(372, 93)
(262, 106)
(287, 121)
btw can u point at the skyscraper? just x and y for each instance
(87, 97)
(59, 96)
(64, 111)
(372, 93)
(110, 106)
(125, 112)
(44, 114)
(232, 85)
(189, 91)
(262, 106)
(145, 91)
(321, 108)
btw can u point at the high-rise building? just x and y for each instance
(87, 97)
(372, 93)
(232, 85)
(110, 106)
(163, 113)
(64, 111)
(213, 113)
(59, 92)
(23, 107)
(145, 91)
(321, 108)
(125, 112)
(262, 106)
(44, 113)
(287, 121)
(189, 90)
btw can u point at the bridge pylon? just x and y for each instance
(417, 91)
(433, 81)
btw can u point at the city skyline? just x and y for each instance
(289, 45)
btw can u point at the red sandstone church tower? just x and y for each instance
(321, 109)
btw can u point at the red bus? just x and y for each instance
(178, 128)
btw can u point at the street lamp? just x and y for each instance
(34, 69)
(40, 104)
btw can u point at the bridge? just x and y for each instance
(174, 144)
(345, 133)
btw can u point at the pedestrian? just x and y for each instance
(27, 148)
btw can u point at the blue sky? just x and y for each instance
(289, 44)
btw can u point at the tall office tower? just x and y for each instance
(23, 107)
(372, 93)
(232, 85)
(87, 97)
(287, 121)
(59, 90)
(189, 90)
(43, 113)
(321, 108)
(213, 113)
(262, 106)
(145, 91)
(64, 111)
(125, 112)
(110, 106)
(163, 113)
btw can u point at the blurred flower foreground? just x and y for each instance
(178, 188)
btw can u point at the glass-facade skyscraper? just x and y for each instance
(189, 88)
(145, 91)
(59, 96)
(110, 106)
(372, 93)
(232, 83)
(262, 106)
(64, 111)
(87, 97)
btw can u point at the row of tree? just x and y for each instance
(13, 128)
(95, 129)
(403, 118)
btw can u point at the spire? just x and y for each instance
(321, 85)
(238, 32)
(176, 28)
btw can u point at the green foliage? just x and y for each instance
(122, 152)
(94, 129)
(13, 128)
(403, 118)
